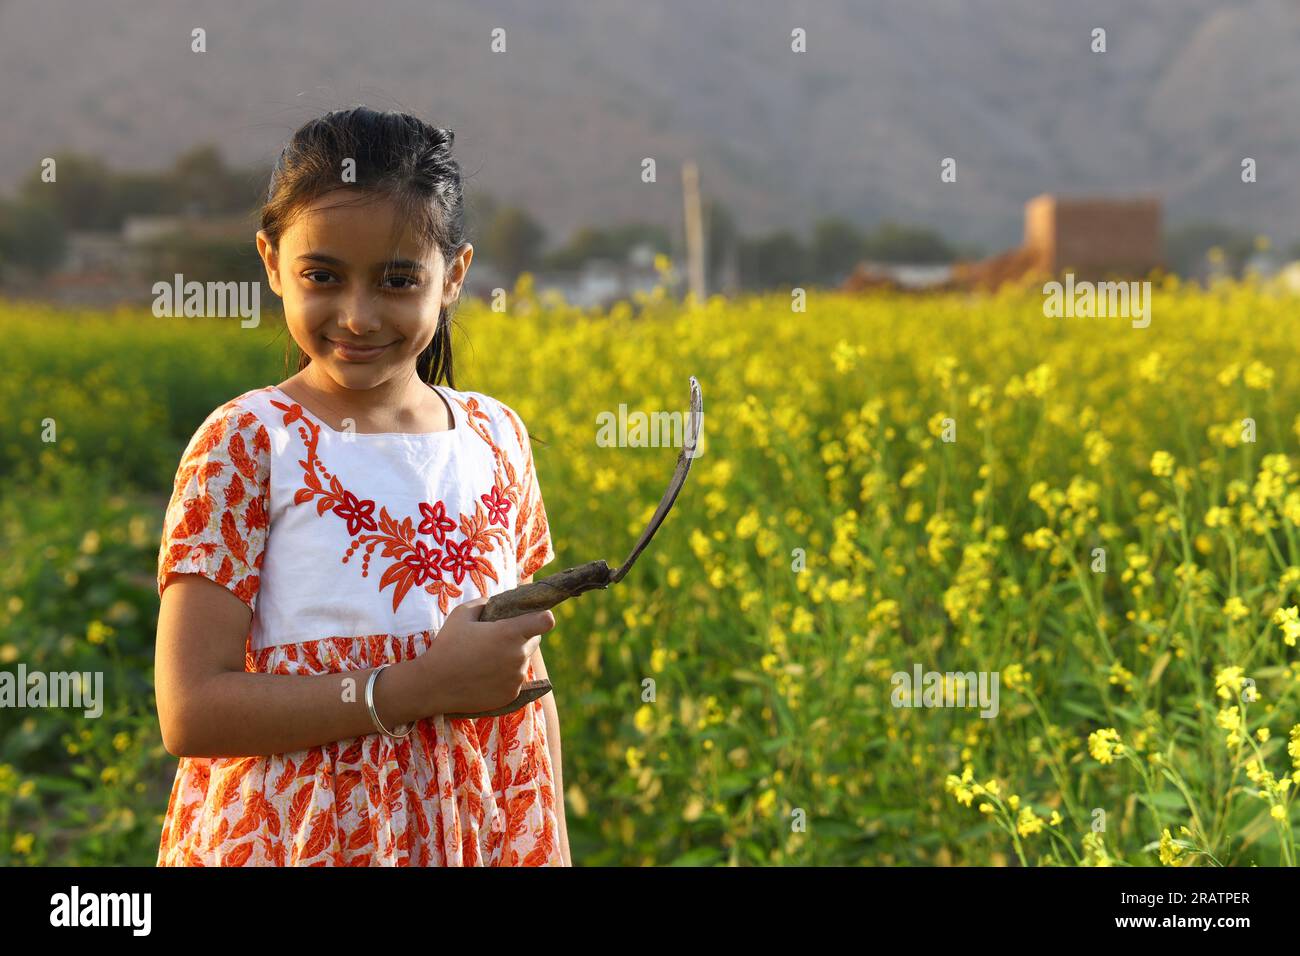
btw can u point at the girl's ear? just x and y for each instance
(455, 276)
(271, 260)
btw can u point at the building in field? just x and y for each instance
(1095, 238)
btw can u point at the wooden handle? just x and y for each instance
(538, 596)
(549, 591)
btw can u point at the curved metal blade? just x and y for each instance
(694, 423)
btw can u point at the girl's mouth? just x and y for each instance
(353, 353)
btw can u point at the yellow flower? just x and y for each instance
(1289, 620)
(960, 787)
(748, 525)
(1169, 850)
(1105, 745)
(1121, 676)
(802, 622)
(1162, 464)
(1094, 850)
(845, 356)
(1258, 376)
(634, 757)
(1235, 609)
(1040, 381)
(604, 480)
(1229, 718)
(1028, 822)
(700, 544)
(913, 475)
(1218, 517)
(1227, 682)
(1014, 677)
(644, 720)
(1152, 369)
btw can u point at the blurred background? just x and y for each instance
(808, 163)
(851, 210)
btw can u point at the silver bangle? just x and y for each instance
(370, 703)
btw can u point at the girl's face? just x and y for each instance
(361, 307)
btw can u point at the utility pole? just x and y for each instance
(694, 230)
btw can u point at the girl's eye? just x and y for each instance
(410, 281)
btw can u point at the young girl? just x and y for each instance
(329, 544)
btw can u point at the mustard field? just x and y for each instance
(1099, 523)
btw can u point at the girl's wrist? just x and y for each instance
(401, 694)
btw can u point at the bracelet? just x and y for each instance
(370, 703)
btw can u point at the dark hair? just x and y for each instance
(396, 155)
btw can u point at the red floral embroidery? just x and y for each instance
(435, 521)
(458, 559)
(424, 562)
(357, 513)
(497, 506)
(413, 562)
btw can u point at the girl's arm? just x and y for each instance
(553, 747)
(209, 706)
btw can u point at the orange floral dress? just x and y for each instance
(350, 550)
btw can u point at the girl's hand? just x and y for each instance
(475, 665)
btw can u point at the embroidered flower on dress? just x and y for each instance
(357, 513)
(435, 521)
(458, 559)
(424, 562)
(497, 506)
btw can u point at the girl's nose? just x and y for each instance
(360, 315)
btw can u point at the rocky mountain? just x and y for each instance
(857, 125)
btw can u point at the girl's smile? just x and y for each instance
(355, 353)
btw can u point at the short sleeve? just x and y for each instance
(533, 547)
(216, 522)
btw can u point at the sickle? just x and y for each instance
(562, 585)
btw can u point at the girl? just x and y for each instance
(350, 521)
